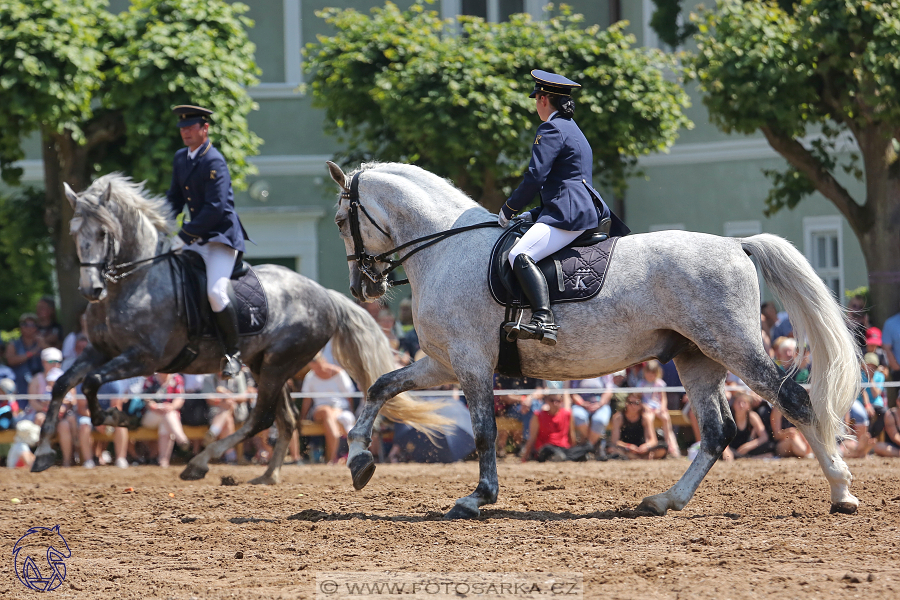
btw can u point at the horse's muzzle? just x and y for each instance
(93, 294)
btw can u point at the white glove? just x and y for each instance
(501, 219)
(177, 245)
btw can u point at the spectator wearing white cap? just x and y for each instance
(42, 383)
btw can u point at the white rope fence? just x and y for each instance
(418, 393)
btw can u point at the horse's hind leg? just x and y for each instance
(286, 422)
(704, 382)
(261, 418)
(794, 401)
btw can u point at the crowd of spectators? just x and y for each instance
(557, 421)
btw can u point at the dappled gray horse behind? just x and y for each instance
(136, 327)
(672, 294)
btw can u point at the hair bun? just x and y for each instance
(567, 106)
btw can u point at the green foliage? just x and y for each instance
(665, 22)
(51, 57)
(401, 85)
(829, 65)
(109, 81)
(26, 255)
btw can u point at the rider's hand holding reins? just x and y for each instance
(177, 245)
(502, 217)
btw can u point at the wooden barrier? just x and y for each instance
(145, 434)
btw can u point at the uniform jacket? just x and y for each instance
(204, 184)
(560, 169)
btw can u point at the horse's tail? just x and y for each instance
(363, 350)
(817, 319)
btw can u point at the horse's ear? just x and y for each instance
(104, 197)
(337, 174)
(71, 196)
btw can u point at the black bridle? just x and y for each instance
(115, 273)
(367, 262)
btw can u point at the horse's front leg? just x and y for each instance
(479, 390)
(131, 363)
(88, 360)
(422, 374)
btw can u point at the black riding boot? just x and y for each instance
(227, 322)
(535, 287)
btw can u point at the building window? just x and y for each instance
(824, 248)
(494, 11)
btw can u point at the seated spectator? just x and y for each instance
(591, 412)
(225, 414)
(876, 374)
(42, 384)
(513, 406)
(9, 408)
(194, 410)
(789, 441)
(862, 412)
(751, 438)
(68, 345)
(163, 413)
(28, 434)
(786, 351)
(657, 402)
(87, 449)
(48, 329)
(551, 432)
(332, 412)
(873, 344)
(890, 447)
(633, 435)
(858, 314)
(23, 355)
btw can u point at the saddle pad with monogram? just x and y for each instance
(252, 305)
(573, 274)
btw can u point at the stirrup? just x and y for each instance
(231, 366)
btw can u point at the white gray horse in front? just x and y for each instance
(672, 294)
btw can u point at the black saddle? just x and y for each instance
(189, 274)
(573, 274)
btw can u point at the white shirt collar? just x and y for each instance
(192, 154)
(550, 118)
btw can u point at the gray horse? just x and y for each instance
(136, 328)
(672, 294)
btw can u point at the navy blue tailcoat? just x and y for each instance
(560, 169)
(204, 184)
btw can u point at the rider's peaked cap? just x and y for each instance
(189, 115)
(551, 83)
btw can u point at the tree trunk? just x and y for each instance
(881, 247)
(64, 161)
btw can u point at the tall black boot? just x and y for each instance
(227, 322)
(542, 326)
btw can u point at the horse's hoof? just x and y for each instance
(362, 467)
(461, 511)
(42, 462)
(264, 480)
(844, 508)
(652, 507)
(193, 472)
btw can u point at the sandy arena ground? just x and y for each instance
(754, 529)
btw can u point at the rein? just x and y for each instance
(366, 262)
(118, 272)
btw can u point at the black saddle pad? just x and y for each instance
(190, 279)
(573, 274)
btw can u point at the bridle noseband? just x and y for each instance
(365, 261)
(114, 273)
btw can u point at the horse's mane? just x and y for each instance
(127, 203)
(435, 185)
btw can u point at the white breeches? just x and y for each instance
(541, 241)
(219, 260)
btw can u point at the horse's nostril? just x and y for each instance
(353, 292)
(97, 291)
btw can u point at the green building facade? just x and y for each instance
(708, 182)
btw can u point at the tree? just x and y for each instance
(402, 85)
(26, 255)
(98, 89)
(667, 23)
(830, 68)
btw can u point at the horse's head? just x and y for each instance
(365, 232)
(96, 232)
